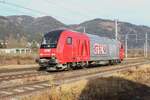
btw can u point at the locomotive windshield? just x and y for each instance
(50, 39)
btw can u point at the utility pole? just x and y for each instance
(146, 41)
(126, 45)
(144, 50)
(136, 38)
(116, 29)
(84, 29)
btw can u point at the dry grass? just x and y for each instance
(130, 85)
(65, 92)
(141, 74)
(137, 53)
(9, 59)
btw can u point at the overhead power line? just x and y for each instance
(13, 10)
(30, 9)
(26, 8)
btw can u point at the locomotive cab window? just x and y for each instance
(69, 40)
(50, 39)
(121, 46)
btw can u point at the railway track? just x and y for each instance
(5, 70)
(62, 78)
(21, 75)
(32, 72)
(17, 71)
(14, 70)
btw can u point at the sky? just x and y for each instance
(77, 11)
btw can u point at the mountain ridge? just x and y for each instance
(33, 28)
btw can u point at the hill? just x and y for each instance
(33, 28)
(27, 26)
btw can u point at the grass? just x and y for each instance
(141, 74)
(9, 59)
(129, 85)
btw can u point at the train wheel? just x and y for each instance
(119, 61)
(74, 65)
(116, 61)
(86, 65)
(69, 67)
(111, 62)
(82, 64)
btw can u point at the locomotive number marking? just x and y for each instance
(100, 49)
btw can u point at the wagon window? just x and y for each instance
(69, 40)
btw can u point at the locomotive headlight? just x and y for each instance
(41, 54)
(53, 54)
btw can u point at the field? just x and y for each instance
(133, 84)
(17, 59)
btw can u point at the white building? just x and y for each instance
(16, 50)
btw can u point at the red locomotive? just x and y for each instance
(63, 49)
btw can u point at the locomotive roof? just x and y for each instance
(58, 30)
(96, 37)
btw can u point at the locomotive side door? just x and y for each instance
(68, 49)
